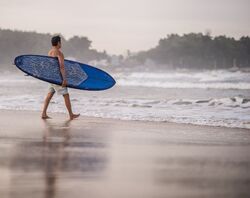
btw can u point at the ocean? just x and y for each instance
(213, 98)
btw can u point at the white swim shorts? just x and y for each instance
(58, 89)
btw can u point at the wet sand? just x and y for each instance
(94, 157)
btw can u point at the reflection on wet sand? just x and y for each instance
(58, 157)
(53, 164)
(105, 158)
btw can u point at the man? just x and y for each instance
(61, 90)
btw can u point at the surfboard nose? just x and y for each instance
(111, 81)
(18, 61)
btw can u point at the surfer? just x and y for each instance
(61, 90)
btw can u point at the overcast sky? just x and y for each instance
(118, 25)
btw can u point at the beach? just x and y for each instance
(99, 157)
(162, 89)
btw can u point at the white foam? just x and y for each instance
(214, 112)
(221, 79)
(25, 93)
(183, 85)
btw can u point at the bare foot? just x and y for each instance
(73, 116)
(45, 117)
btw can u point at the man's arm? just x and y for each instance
(62, 69)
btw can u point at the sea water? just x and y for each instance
(214, 98)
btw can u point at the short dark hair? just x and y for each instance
(55, 40)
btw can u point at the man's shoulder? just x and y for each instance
(55, 53)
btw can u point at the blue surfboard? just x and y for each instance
(78, 75)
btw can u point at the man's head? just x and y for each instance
(56, 41)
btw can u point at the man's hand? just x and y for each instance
(64, 83)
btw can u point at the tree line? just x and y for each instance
(197, 51)
(14, 43)
(191, 51)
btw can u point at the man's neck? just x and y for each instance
(55, 47)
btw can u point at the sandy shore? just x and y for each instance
(93, 157)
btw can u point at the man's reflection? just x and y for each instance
(53, 154)
(66, 153)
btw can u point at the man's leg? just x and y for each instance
(46, 104)
(68, 105)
